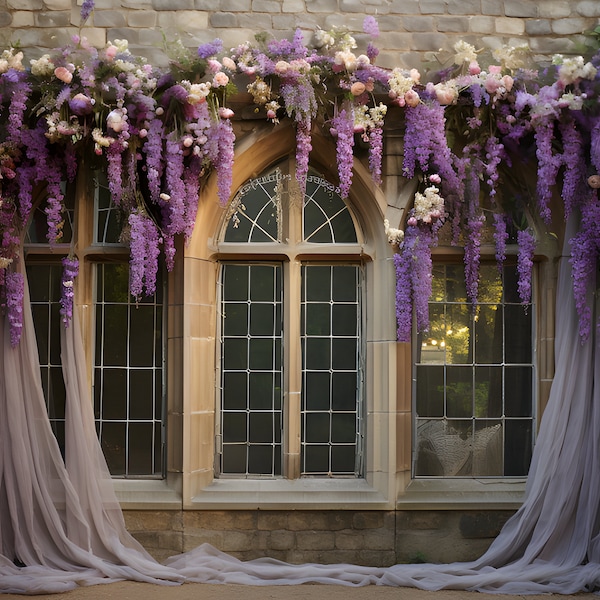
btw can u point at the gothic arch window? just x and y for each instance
(291, 357)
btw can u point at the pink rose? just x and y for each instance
(412, 98)
(594, 181)
(63, 74)
(357, 88)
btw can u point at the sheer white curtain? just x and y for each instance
(62, 519)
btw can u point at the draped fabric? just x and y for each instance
(62, 521)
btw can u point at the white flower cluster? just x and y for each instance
(429, 206)
(573, 68)
(197, 92)
(401, 85)
(512, 57)
(9, 59)
(42, 67)
(465, 53)
(366, 118)
(394, 236)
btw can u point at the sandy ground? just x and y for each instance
(130, 590)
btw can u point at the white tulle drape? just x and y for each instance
(62, 521)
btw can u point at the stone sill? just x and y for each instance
(462, 494)
(282, 494)
(146, 494)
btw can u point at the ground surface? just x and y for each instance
(129, 590)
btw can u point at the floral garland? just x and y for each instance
(158, 133)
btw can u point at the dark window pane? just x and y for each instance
(345, 284)
(316, 390)
(114, 394)
(260, 460)
(343, 228)
(262, 391)
(488, 392)
(488, 334)
(235, 353)
(262, 319)
(234, 459)
(115, 335)
(518, 334)
(456, 289)
(114, 444)
(318, 319)
(140, 448)
(344, 354)
(430, 391)
(317, 282)
(344, 319)
(343, 428)
(488, 453)
(261, 427)
(55, 325)
(517, 447)
(316, 459)
(114, 285)
(316, 227)
(317, 428)
(141, 336)
(459, 392)
(263, 282)
(235, 282)
(41, 320)
(343, 459)
(234, 427)
(235, 319)
(261, 353)
(234, 390)
(141, 394)
(344, 391)
(56, 394)
(317, 353)
(518, 391)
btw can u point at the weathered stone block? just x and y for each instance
(538, 27)
(315, 540)
(464, 7)
(281, 540)
(417, 23)
(482, 24)
(571, 26)
(588, 8)
(453, 24)
(223, 20)
(482, 524)
(510, 26)
(492, 7)
(521, 8)
(268, 6)
(109, 18)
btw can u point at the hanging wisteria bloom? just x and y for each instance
(70, 271)
(14, 289)
(526, 241)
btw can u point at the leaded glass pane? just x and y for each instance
(330, 326)
(251, 347)
(474, 393)
(128, 374)
(326, 218)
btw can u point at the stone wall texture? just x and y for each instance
(412, 31)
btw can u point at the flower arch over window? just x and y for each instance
(289, 287)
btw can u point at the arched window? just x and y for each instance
(291, 352)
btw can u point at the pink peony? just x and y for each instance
(63, 74)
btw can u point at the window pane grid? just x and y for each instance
(128, 376)
(44, 289)
(330, 339)
(251, 360)
(474, 381)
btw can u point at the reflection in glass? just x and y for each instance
(474, 394)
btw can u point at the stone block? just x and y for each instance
(588, 8)
(571, 26)
(266, 6)
(405, 7)
(368, 520)
(453, 24)
(292, 6)
(237, 541)
(482, 24)
(379, 539)
(377, 558)
(464, 7)
(482, 524)
(263, 21)
(555, 9)
(25, 4)
(6, 19)
(428, 7)
(510, 26)
(183, 20)
(173, 4)
(429, 42)
(142, 18)
(223, 19)
(281, 540)
(57, 4)
(315, 540)
(492, 7)
(348, 540)
(322, 6)
(21, 18)
(538, 27)
(418, 23)
(237, 6)
(351, 6)
(271, 520)
(109, 18)
(521, 8)
(409, 520)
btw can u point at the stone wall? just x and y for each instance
(412, 31)
(370, 538)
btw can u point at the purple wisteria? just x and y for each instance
(70, 271)
(526, 240)
(343, 124)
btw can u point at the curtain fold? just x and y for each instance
(63, 522)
